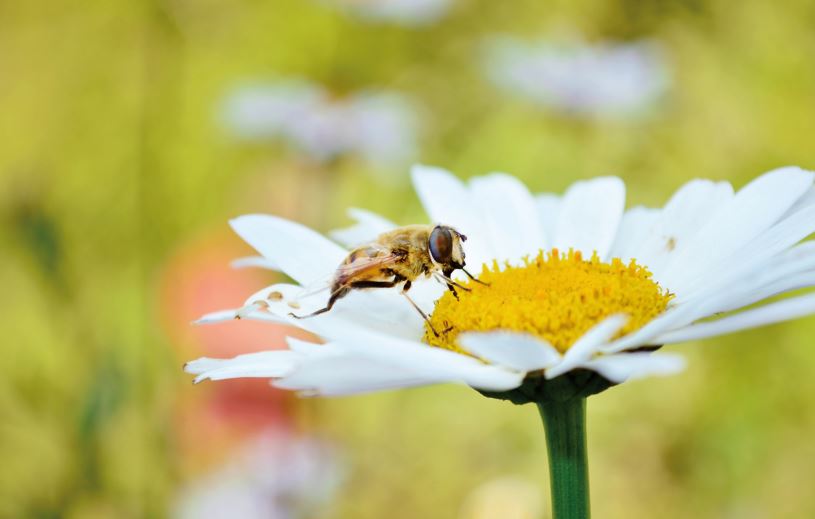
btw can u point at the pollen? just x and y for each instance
(556, 296)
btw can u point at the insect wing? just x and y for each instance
(315, 287)
(364, 262)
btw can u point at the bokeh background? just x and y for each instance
(130, 137)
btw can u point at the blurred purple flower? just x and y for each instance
(277, 476)
(605, 79)
(380, 127)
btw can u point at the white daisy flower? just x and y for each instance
(401, 12)
(380, 127)
(604, 79)
(581, 291)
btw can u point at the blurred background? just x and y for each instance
(131, 131)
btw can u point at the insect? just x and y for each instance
(401, 256)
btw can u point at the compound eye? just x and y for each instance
(441, 245)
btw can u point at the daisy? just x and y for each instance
(581, 292)
(604, 79)
(631, 279)
(379, 127)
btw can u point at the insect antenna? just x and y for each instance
(336, 294)
(474, 278)
(424, 315)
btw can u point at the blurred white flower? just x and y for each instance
(401, 12)
(378, 126)
(277, 476)
(605, 79)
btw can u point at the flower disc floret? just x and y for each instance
(557, 297)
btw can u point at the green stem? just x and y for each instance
(565, 424)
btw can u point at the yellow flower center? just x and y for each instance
(555, 296)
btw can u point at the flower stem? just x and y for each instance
(565, 424)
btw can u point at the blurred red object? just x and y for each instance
(198, 280)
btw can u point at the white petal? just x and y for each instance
(696, 201)
(250, 312)
(436, 362)
(779, 286)
(759, 255)
(635, 227)
(805, 201)
(688, 211)
(587, 346)
(519, 351)
(304, 347)
(376, 363)
(218, 316)
(548, 211)
(380, 311)
(620, 367)
(254, 261)
(448, 201)
(372, 219)
(282, 299)
(786, 271)
(264, 364)
(674, 317)
(369, 225)
(768, 314)
(590, 213)
(300, 252)
(510, 216)
(339, 375)
(754, 209)
(444, 197)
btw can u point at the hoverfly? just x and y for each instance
(401, 256)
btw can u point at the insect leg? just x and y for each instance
(453, 290)
(343, 290)
(424, 315)
(336, 294)
(451, 285)
(474, 278)
(452, 282)
(374, 284)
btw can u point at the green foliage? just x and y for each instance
(112, 161)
